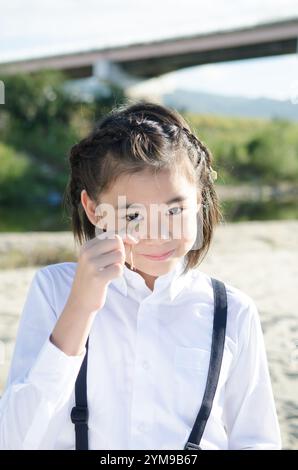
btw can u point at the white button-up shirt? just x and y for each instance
(147, 367)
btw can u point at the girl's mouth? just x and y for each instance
(160, 257)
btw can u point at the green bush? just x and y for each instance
(22, 182)
(39, 124)
(38, 115)
(250, 150)
(14, 170)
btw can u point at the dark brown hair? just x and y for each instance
(134, 137)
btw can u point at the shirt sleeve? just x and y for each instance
(41, 376)
(250, 414)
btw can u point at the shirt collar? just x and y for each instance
(167, 285)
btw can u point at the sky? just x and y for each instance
(30, 28)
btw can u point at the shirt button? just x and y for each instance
(145, 365)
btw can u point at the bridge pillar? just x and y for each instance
(134, 87)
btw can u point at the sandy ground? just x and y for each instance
(261, 258)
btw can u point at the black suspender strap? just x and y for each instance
(217, 349)
(79, 413)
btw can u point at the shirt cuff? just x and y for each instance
(54, 372)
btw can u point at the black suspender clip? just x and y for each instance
(79, 415)
(191, 446)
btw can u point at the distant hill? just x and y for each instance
(207, 103)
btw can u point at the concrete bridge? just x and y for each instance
(130, 64)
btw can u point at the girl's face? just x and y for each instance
(161, 212)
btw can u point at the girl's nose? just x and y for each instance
(159, 233)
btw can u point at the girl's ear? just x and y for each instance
(89, 207)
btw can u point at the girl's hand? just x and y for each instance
(100, 260)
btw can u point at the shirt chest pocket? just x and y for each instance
(195, 359)
(191, 369)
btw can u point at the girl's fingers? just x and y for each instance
(104, 235)
(125, 237)
(112, 242)
(111, 257)
(100, 244)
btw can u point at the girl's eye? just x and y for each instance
(130, 217)
(181, 208)
(127, 217)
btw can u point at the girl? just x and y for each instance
(136, 304)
